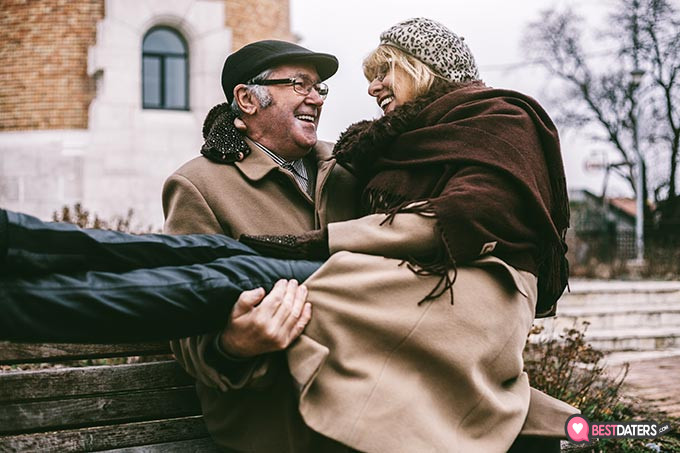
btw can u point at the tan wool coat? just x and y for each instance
(374, 369)
(254, 196)
(381, 373)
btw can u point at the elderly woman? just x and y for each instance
(378, 371)
(413, 348)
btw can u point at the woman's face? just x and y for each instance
(391, 88)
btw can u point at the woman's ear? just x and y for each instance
(245, 99)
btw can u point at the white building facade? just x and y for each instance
(123, 155)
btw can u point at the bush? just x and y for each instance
(569, 369)
(84, 219)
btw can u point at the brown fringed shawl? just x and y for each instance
(487, 162)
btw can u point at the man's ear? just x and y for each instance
(245, 99)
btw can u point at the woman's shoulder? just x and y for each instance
(476, 98)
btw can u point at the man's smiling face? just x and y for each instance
(288, 125)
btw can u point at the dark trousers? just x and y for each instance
(62, 283)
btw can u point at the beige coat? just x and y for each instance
(254, 196)
(381, 373)
(374, 369)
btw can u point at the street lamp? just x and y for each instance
(635, 79)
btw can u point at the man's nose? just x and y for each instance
(314, 98)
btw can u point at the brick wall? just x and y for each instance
(43, 75)
(254, 20)
(43, 50)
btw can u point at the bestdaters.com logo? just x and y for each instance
(580, 430)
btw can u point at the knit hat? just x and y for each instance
(436, 46)
(255, 57)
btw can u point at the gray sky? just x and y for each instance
(493, 29)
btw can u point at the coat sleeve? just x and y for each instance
(187, 212)
(406, 235)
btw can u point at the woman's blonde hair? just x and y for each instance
(385, 58)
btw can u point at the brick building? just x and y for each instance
(100, 100)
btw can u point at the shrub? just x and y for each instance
(569, 369)
(80, 216)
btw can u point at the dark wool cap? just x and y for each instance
(254, 58)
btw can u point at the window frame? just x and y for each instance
(162, 57)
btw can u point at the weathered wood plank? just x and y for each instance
(60, 382)
(187, 446)
(114, 437)
(79, 412)
(12, 353)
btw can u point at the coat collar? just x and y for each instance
(257, 164)
(363, 142)
(224, 144)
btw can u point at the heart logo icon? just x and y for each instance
(577, 428)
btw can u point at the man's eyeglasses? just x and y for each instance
(300, 85)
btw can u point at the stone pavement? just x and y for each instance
(656, 380)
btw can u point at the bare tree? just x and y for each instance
(601, 88)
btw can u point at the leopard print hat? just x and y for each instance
(436, 46)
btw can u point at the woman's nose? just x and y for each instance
(375, 87)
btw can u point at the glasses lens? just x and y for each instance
(322, 89)
(302, 86)
(305, 86)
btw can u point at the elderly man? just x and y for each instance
(271, 177)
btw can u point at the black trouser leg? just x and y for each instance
(32, 246)
(139, 305)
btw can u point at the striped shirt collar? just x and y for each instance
(296, 167)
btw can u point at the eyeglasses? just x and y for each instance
(382, 71)
(300, 85)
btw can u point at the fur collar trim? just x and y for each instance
(223, 144)
(363, 142)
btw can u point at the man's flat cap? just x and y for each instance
(254, 58)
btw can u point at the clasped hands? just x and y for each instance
(260, 323)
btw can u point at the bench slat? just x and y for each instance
(79, 412)
(187, 446)
(60, 382)
(12, 353)
(115, 437)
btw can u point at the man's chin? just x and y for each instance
(302, 148)
(307, 141)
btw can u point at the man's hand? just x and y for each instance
(260, 324)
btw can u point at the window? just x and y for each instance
(165, 70)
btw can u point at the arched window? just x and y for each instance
(165, 70)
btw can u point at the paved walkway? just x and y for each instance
(657, 381)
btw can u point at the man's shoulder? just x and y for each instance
(197, 164)
(201, 168)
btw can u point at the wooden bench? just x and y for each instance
(149, 406)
